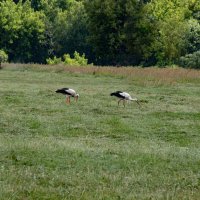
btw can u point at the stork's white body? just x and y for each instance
(124, 96)
(70, 92)
(127, 96)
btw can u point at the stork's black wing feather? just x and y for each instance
(63, 91)
(117, 94)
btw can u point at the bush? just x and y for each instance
(81, 60)
(53, 61)
(69, 61)
(190, 60)
(3, 57)
(76, 61)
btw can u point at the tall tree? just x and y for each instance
(22, 32)
(170, 33)
(139, 31)
(70, 30)
(106, 26)
(120, 32)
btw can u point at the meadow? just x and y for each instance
(95, 149)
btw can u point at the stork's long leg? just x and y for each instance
(67, 100)
(124, 102)
(119, 101)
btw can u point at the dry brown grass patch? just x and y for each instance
(144, 76)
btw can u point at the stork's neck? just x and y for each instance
(133, 99)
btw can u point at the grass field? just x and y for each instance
(94, 149)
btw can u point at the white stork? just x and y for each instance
(69, 93)
(124, 96)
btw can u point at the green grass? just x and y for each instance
(94, 149)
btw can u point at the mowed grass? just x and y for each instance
(95, 149)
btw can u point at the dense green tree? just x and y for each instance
(116, 32)
(190, 60)
(193, 36)
(65, 26)
(170, 30)
(70, 30)
(22, 32)
(139, 32)
(194, 7)
(106, 20)
(51, 5)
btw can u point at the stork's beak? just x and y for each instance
(76, 98)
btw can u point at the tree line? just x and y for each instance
(107, 32)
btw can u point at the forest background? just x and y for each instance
(106, 32)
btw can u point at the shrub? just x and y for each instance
(76, 61)
(70, 61)
(3, 57)
(81, 60)
(190, 60)
(53, 61)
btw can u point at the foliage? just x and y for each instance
(78, 60)
(70, 30)
(3, 57)
(108, 32)
(105, 23)
(139, 32)
(144, 31)
(65, 25)
(193, 36)
(194, 6)
(170, 31)
(190, 60)
(22, 32)
(53, 61)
